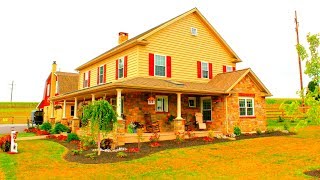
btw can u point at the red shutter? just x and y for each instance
(125, 66)
(233, 68)
(224, 69)
(98, 75)
(116, 69)
(151, 64)
(84, 78)
(169, 66)
(89, 79)
(210, 70)
(199, 69)
(104, 73)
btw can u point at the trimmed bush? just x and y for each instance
(58, 128)
(46, 126)
(72, 136)
(237, 131)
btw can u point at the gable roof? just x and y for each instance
(140, 39)
(68, 82)
(227, 81)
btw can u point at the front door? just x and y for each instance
(206, 108)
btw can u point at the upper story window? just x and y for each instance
(194, 31)
(101, 74)
(160, 65)
(204, 70)
(48, 89)
(121, 68)
(86, 79)
(162, 103)
(246, 106)
(228, 68)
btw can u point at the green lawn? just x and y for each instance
(262, 158)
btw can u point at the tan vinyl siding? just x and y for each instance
(185, 49)
(132, 68)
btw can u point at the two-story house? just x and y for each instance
(181, 67)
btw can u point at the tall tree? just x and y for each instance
(101, 116)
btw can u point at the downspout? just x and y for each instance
(226, 104)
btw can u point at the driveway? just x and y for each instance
(6, 128)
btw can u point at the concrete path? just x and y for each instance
(6, 128)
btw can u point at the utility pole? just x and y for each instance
(11, 91)
(299, 60)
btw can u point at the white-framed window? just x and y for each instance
(194, 31)
(229, 68)
(162, 103)
(204, 69)
(48, 90)
(101, 74)
(86, 79)
(160, 65)
(121, 67)
(192, 101)
(246, 106)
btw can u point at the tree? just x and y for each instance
(312, 59)
(101, 116)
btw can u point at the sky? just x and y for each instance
(35, 33)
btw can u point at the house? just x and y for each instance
(181, 67)
(58, 83)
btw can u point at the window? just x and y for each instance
(121, 68)
(72, 111)
(101, 74)
(229, 69)
(162, 103)
(204, 70)
(194, 31)
(160, 65)
(192, 101)
(113, 102)
(246, 106)
(48, 89)
(86, 79)
(206, 108)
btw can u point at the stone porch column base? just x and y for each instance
(75, 125)
(64, 121)
(179, 125)
(52, 121)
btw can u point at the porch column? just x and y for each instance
(93, 98)
(75, 108)
(64, 120)
(119, 104)
(52, 119)
(64, 109)
(75, 121)
(179, 106)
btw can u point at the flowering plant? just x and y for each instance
(5, 143)
(133, 150)
(155, 137)
(155, 144)
(207, 139)
(179, 137)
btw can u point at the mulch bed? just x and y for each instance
(314, 173)
(145, 150)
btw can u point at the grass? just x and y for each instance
(272, 157)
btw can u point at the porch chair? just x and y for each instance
(151, 126)
(199, 120)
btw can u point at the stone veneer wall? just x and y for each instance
(247, 124)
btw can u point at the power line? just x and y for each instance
(11, 90)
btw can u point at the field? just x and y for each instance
(283, 157)
(16, 112)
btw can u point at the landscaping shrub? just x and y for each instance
(237, 131)
(122, 155)
(133, 150)
(46, 126)
(5, 143)
(106, 143)
(286, 126)
(179, 137)
(281, 119)
(76, 152)
(72, 137)
(58, 128)
(259, 131)
(155, 137)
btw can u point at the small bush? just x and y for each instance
(91, 155)
(46, 126)
(281, 119)
(259, 131)
(76, 152)
(72, 137)
(286, 126)
(106, 143)
(58, 128)
(122, 155)
(237, 131)
(155, 137)
(270, 130)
